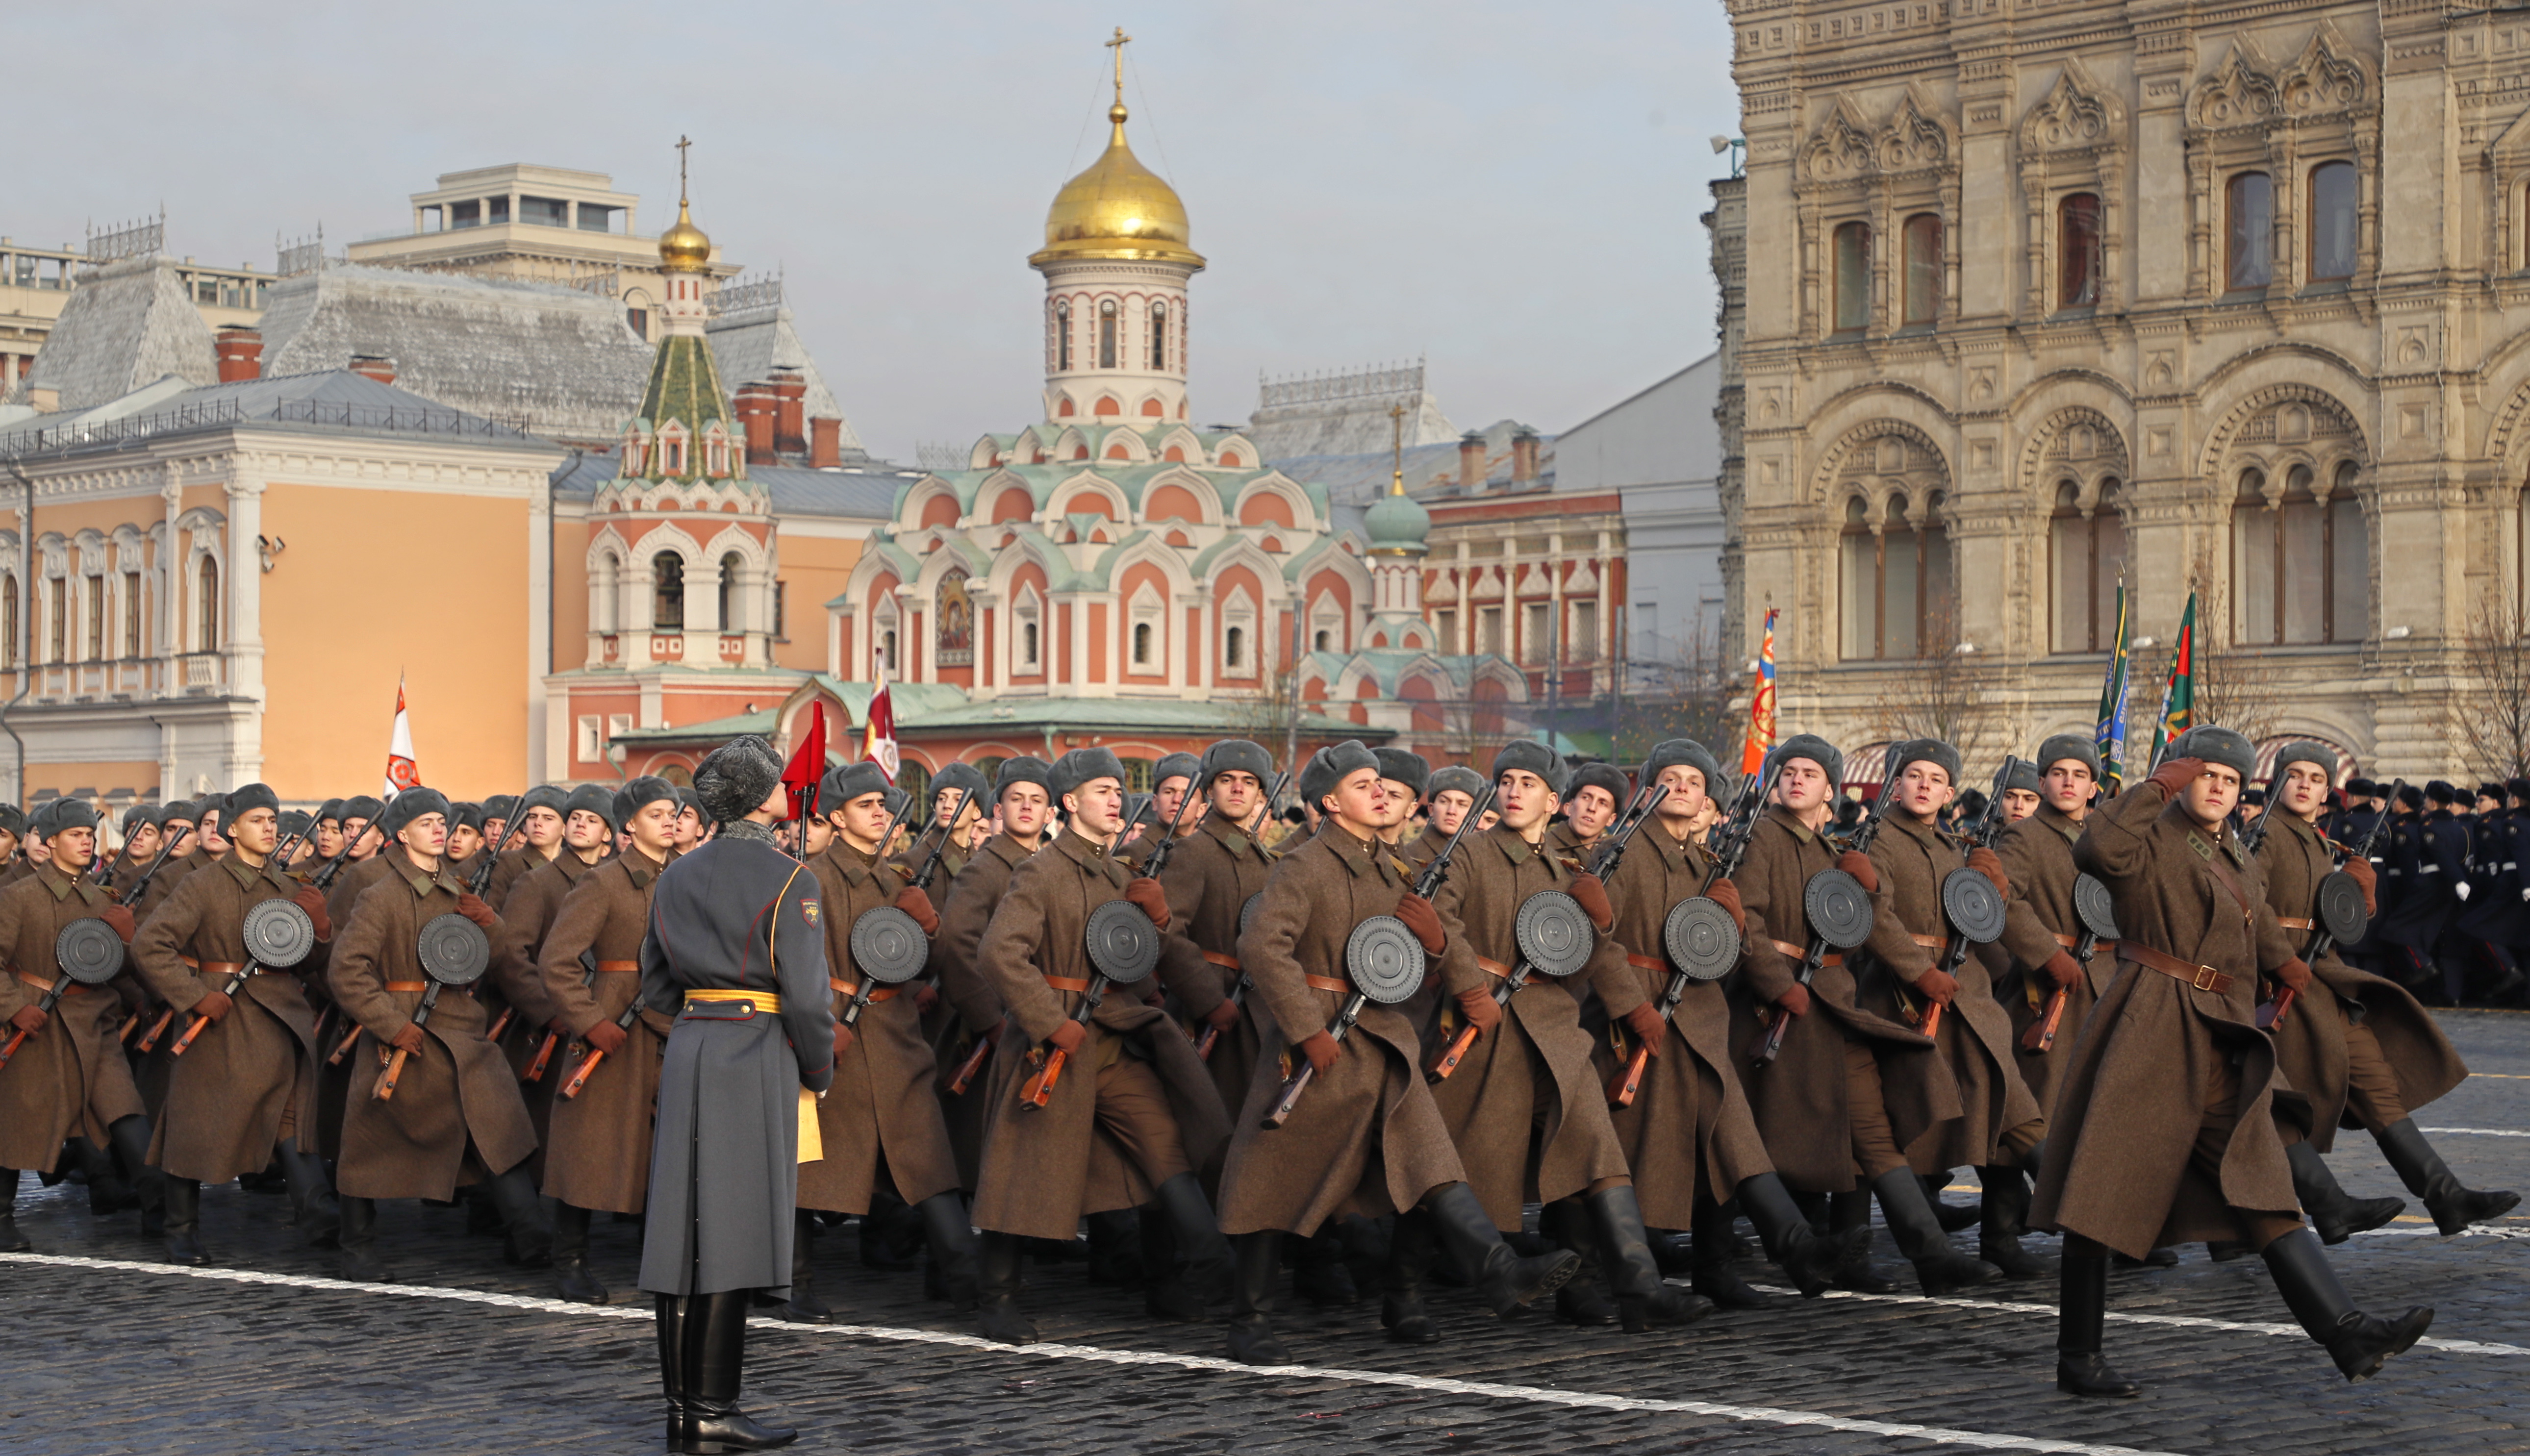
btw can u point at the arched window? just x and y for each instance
(886, 648)
(1324, 642)
(95, 606)
(206, 610)
(668, 590)
(1141, 644)
(130, 614)
(605, 599)
(2304, 561)
(1107, 334)
(2089, 551)
(1027, 645)
(1897, 589)
(1852, 278)
(2249, 232)
(1234, 648)
(2331, 222)
(1923, 270)
(1159, 336)
(2078, 245)
(1062, 334)
(729, 595)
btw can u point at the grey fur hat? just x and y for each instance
(409, 806)
(1671, 752)
(593, 798)
(1083, 766)
(1330, 766)
(1459, 777)
(1816, 749)
(637, 795)
(1022, 769)
(1236, 756)
(2068, 745)
(958, 774)
(1536, 758)
(846, 783)
(1404, 767)
(2216, 745)
(735, 778)
(1606, 777)
(1176, 766)
(1933, 751)
(2307, 752)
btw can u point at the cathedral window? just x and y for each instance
(2304, 558)
(1107, 334)
(1063, 337)
(1141, 644)
(2077, 251)
(2249, 229)
(730, 565)
(1537, 634)
(2090, 552)
(1159, 336)
(887, 649)
(1323, 642)
(1923, 270)
(1030, 652)
(1234, 648)
(1898, 587)
(2331, 222)
(719, 455)
(605, 594)
(1852, 278)
(668, 590)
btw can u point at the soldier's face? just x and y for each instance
(1025, 810)
(1234, 794)
(1923, 788)
(73, 848)
(943, 805)
(426, 836)
(544, 828)
(1397, 803)
(363, 842)
(1097, 807)
(818, 832)
(1524, 799)
(2018, 804)
(495, 830)
(213, 842)
(1168, 798)
(1361, 800)
(1449, 807)
(863, 819)
(2304, 791)
(2068, 784)
(141, 842)
(329, 837)
(1592, 810)
(654, 827)
(587, 831)
(464, 840)
(257, 831)
(2211, 795)
(176, 827)
(1802, 785)
(690, 827)
(1686, 793)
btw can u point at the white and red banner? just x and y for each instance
(402, 772)
(878, 726)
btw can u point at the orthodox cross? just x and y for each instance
(681, 145)
(1118, 46)
(1396, 434)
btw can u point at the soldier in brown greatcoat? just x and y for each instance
(543, 810)
(1122, 1127)
(597, 1142)
(2359, 1046)
(1208, 878)
(2172, 1122)
(1599, 792)
(1365, 1139)
(1849, 1087)
(205, 845)
(1447, 797)
(536, 899)
(1527, 1110)
(1998, 1128)
(13, 835)
(456, 1117)
(1688, 1134)
(245, 1089)
(956, 781)
(1025, 807)
(69, 1078)
(1172, 778)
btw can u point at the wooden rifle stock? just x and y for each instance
(1814, 956)
(157, 1029)
(350, 1040)
(1211, 1036)
(1729, 846)
(597, 1055)
(493, 1034)
(45, 1004)
(395, 1065)
(1039, 1089)
(1465, 1040)
(2041, 1036)
(141, 886)
(1299, 1080)
(237, 982)
(535, 1067)
(974, 1062)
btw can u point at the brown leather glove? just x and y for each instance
(2294, 973)
(1795, 999)
(408, 1041)
(1479, 1009)
(472, 907)
(1321, 1049)
(1069, 1034)
(2360, 871)
(312, 901)
(1727, 895)
(607, 1037)
(1989, 864)
(1649, 1026)
(1425, 921)
(916, 903)
(926, 999)
(1937, 986)
(1593, 898)
(2175, 775)
(214, 1004)
(1146, 894)
(29, 1019)
(1223, 1016)
(1858, 864)
(120, 918)
(2062, 969)
(843, 1039)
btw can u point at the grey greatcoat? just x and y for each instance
(736, 914)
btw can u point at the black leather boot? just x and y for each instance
(11, 1240)
(2427, 1177)
(2358, 1342)
(183, 1197)
(1321, 1277)
(313, 1209)
(879, 1248)
(997, 1307)
(715, 1357)
(1504, 1281)
(953, 1245)
(1410, 1250)
(1810, 1260)
(574, 1280)
(1198, 1276)
(1711, 1274)
(129, 1137)
(529, 1241)
(2005, 1207)
(1643, 1298)
(1585, 1298)
(2157, 1259)
(2082, 1315)
(357, 1258)
(1120, 1251)
(2336, 1214)
(671, 1318)
(804, 1305)
(108, 1191)
(1848, 1216)
(1939, 1269)
(1952, 1216)
(1259, 1259)
(1365, 1250)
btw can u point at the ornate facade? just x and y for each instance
(2131, 289)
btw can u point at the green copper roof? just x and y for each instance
(684, 387)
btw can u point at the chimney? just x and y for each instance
(240, 353)
(791, 407)
(43, 398)
(376, 366)
(755, 405)
(1524, 457)
(825, 442)
(1471, 461)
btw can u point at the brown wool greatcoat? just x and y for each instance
(1044, 1167)
(356, 877)
(975, 1006)
(1208, 878)
(2039, 921)
(1366, 1138)
(527, 916)
(71, 1079)
(455, 1116)
(1799, 1101)
(1691, 1097)
(1423, 1008)
(952, 860)
(885, 1104)
(597, 1145)
(1975, 1036)
(516, 865)
(2132, 1104)
(2310, 1046)
(169, 876)
(225, 1095)
(1526, 1107)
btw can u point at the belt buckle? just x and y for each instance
(2205, 978)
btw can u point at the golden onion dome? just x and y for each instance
(685, 248)
(1119, 208)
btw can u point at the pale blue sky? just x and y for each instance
(1512, 189)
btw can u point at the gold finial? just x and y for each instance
(1118, 46)
(1397, 433)
(684, 248)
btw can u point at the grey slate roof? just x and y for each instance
(331, 401)
(127, 324)
(1359, 479)
(1348, 426)
(751, 343)
(797, 491)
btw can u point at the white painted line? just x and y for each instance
(2475, 1132)
(2191, 1322)
(1532, 1394)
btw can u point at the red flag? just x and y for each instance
(878, 728)
(1761, 706)
(808, 764)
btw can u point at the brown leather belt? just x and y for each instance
(1066, 983)
(1226, 962)
(1329, 983)
(1493, 968)
(619, 967)
(2068, 941)
(1647, 962)
(852, 988)
(415, 987)
(1831, 959)
(1931, 942)
(2203, 977)
(41, 984)
(2297, 922)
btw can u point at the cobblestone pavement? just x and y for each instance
(110, 1352)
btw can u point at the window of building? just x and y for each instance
(1159, 336)
(2089, 551)
(1447, 624)
(668, 590)
(1027, 644)
(1585, 632)
(1063, 332)
(1322, 641)
(545, 212)
(592, 742)
(1489, 630)
(95, 619)
(781, 611)
(1852, 278)
(130, 614)
(465, 214)
(206, 611)
(596, 217)
(57, 618)
(1142, 644)
(952, 618)
(1923, 270)
(1107, 334)
(2249, 232)
(9, 620)
(1898, 600)
(730, 565)
(1137, 774)
(1234, 648)
(2331, 222)
(1030, 652)
(1537, 633)
(887, 649)
(2078, 242)
(672, 456)
(2304, 563)
(638, 321)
